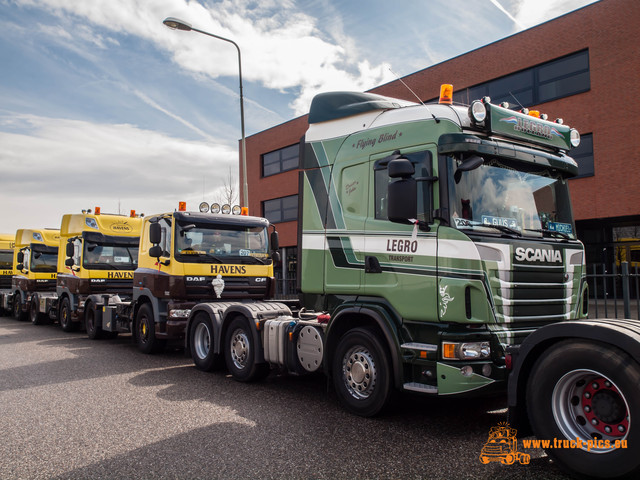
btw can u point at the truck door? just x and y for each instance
(346, 215)
(400, 261)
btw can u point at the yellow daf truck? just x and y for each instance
(187, 258)
(98, 254)
(7, 242)
(34, 281)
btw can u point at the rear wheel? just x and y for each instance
(35, 316)
(201, 343)
(16, 306)
(586, 393)
(94, 331)
(361, 373)
(64, 316)
(146, 331)
(240, 352)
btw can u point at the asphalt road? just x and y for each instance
(74, 408)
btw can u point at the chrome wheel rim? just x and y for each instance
(202, 340)
(240, 349)
(359, 372)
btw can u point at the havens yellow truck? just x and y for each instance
(187, 258)
(98, 254)
(7, 242)
(34, 281)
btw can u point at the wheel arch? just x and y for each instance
(622, 334)
(357, 317)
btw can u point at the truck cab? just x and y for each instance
(7, 242)
(35, 260)
(187, 258)
(445, 232)
(99, 253)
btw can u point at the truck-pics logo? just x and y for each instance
(538, 255)
(502, 446)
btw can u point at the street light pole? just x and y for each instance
(176, 24)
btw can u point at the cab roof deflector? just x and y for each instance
(334, 105)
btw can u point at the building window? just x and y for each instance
(280, 160)
(583, 154)
(278, 210)
(549, 81)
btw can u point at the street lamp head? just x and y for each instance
(177, 24)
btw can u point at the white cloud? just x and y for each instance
(282, 48)
(529, 13)
(56, 166)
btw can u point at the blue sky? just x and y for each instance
(102, 105)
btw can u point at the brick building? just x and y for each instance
(581, 67)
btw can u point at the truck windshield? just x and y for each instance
(109, 256)
(208, 243)
(43, 259)
(510, 198)
(6, 260)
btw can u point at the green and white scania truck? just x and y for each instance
(434, 241)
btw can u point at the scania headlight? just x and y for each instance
(466, 350)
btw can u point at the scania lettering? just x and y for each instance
(98, 254)
(187, 258)
(34, 283)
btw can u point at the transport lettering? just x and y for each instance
(123, 275)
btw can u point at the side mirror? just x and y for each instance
(20, 266)
(20, 258)
(70, 249)
(155, 251)
(155, 233)
(275, 256)
(69, 262)
(467, 165)
(275, 241)
(402, 194)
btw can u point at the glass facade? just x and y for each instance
(280, 160)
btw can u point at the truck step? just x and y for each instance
(421, 387)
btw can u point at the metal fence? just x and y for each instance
(614, 292)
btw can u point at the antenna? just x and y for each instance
(414, 94)
(514, 97)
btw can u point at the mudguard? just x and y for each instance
(623, 334)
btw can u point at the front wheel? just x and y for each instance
(201, 343)
(16, 306)
(146, 331)
(64, 316)
(584, 394)
(94, 331)
(361, 373)
(240, 352)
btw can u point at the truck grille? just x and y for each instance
(529, 297)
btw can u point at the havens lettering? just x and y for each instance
(122, 275)
(228, 269)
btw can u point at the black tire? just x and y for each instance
(361, 373)
(240, 352)
(201, 344)
(94, 330)
(36, 317)
(16, 306)
(146, 338)
(64, 316)
(587, 390)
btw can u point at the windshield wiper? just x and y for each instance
(549, 232)
(502, 228)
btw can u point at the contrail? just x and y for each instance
(511, 17)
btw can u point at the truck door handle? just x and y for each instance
(371, 264)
